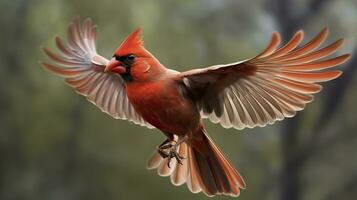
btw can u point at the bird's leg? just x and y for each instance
(166, 145)
(168, 148)
(162, 149)
(163, 146)
(173, 152)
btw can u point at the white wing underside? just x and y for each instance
(269, 87)
(83, 70)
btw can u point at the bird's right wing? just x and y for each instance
(83, 70)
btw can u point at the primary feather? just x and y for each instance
(267, 88)
(83, 70)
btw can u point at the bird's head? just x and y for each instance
(132, 61)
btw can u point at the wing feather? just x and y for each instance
(292, 44)
(83, 70)
(269, 87)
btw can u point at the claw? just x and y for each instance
(166, 146)
(168, 163)
(168, 150)
(178, 158)
(163, 153)
(174, 154)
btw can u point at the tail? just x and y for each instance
(203, 169)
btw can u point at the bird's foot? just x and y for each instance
(172, 153)
(163, 148)
(176, 155)
(168, 150)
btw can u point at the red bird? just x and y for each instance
(135, 86)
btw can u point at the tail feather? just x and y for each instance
(203, 169)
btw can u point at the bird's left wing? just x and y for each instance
(83, 70)
(269, 87)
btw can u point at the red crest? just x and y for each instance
(131, 44)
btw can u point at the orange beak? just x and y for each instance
(115, 66)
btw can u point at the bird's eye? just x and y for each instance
(131, 57)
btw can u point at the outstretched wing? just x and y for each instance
(269, 87)
(83, 70)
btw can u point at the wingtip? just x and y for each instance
(72, 23)
(332, 75)
(324, 32)
(55, 69)
(340, 41)
(88, 20)
(57, 38)
(347, 55)
(76, 18)
(276, 35)
(297, 35)
(338, 74)
(274, 42)
(45, 65)
(46, 51)
(95, 27)
(300, 32)
(344, 57)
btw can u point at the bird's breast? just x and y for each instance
(161, 104)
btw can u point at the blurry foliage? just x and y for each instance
(56, 145)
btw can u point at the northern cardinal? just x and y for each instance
(135, 86)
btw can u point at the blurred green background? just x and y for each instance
(54, 145)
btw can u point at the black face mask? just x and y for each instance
(127, 62)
